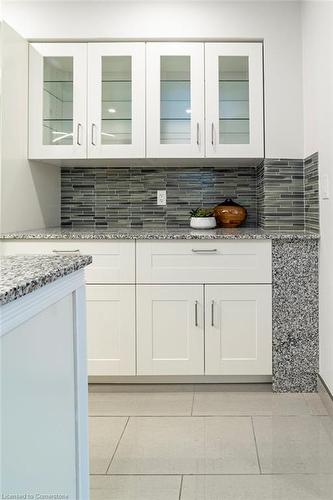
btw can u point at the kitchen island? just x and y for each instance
(43, 377)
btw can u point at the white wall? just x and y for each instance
(30, 192)
(318, 134)
(278, 23)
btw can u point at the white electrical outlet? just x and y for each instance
(161, 197)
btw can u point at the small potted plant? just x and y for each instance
(202, 218)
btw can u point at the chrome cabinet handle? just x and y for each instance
(78, 134)
(198, 134)
(93, 134)
(196, 313)
(213, 134)
(66, 251)
(212, 312)
(204, 250)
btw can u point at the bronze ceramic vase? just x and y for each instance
(230, 214)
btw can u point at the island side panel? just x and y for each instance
(295, 315)
(38, 397)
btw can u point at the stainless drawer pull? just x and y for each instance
(204, 250)
(196, 313)
(66, 251)
(93, 134)
(213, 135)
(212, 311)
(78, 134)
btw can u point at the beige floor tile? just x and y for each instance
(249, 403)
(134, 487)
(315, 404)
(287, 487)
(189, 445)
(104, 435)
(295, 444)
(141, 403)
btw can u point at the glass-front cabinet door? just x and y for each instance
(116, 107)
(57, 100)
(234, 100)
(175, 100)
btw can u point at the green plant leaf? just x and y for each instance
(202, 212)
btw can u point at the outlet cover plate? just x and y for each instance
(161, 197)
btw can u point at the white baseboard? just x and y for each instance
(325, 396)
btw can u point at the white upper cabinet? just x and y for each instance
(234, 100)
(57, 100)
(175, 100)
(154, 100)
(116, 100)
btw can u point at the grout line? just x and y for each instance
(213, 415)
(256, 445)
(174, 415)
(115, 451)
(192, 403)
(234, 474)
(181, 488)
(171, 474)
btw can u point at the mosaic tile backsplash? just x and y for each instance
(311, 193)
(104, 197)
(278, 194)
(280, 187)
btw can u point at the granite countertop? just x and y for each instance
(158, 234)
(20, 275)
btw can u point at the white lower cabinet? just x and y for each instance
(111, 329)
(174, 308)
(170, 330)
(238, 330)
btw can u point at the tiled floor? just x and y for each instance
(197, 442)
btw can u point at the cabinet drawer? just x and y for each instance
(196, 261)
(113, 262)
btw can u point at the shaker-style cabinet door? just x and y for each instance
(170, 330)
(175, 100)
(234, 100)
(116, 100)
(111, 329)
(238, 330)
(57, 100)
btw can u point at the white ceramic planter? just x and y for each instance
(203, 222)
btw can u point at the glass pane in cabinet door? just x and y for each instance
(116, 127)
(234, 100)
(58, 101)
(175, 100)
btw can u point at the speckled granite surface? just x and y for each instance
(295, 316)
(160, 234)
(20, 275)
